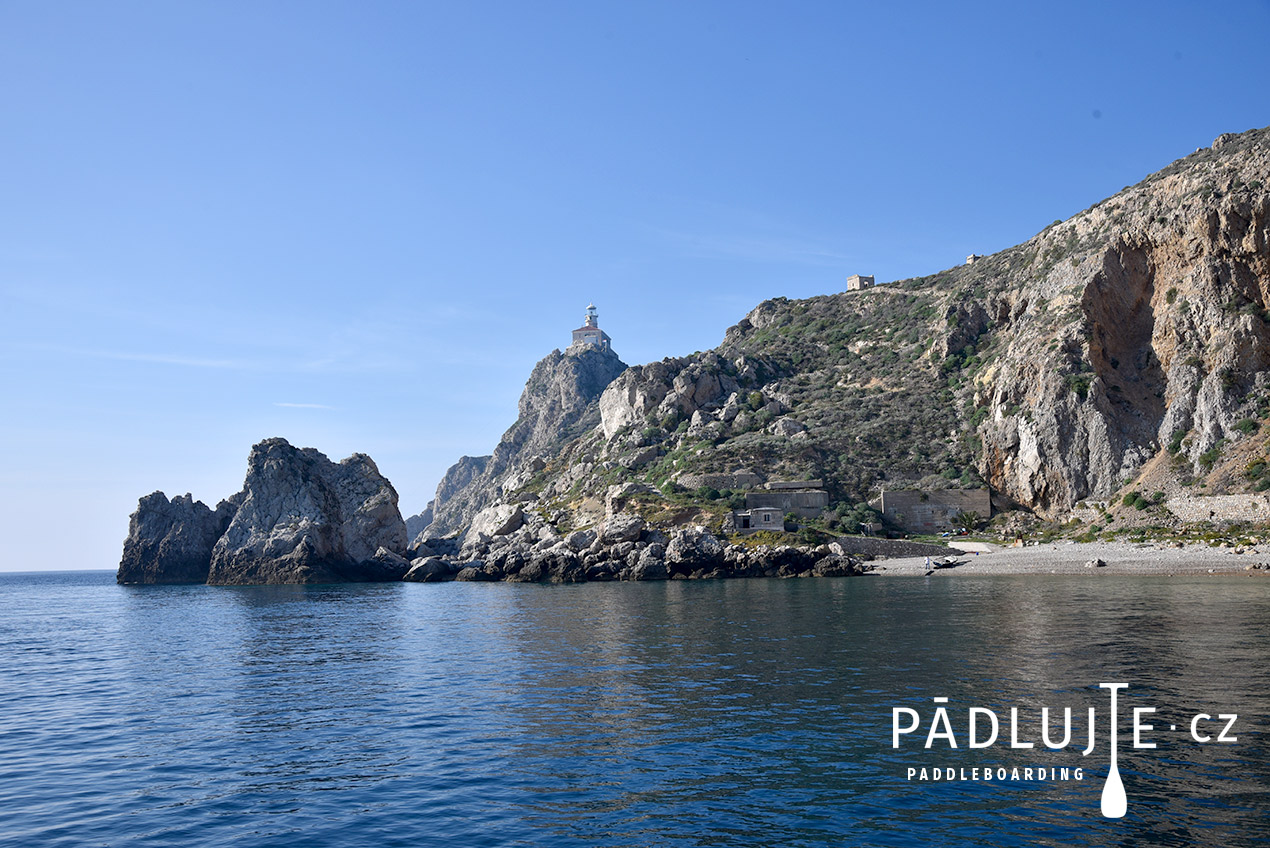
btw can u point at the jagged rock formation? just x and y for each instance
(171, 541)
(300, 518)
(1128, 342)
(305, 519)
(557, 405)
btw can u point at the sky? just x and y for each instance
(359, 225)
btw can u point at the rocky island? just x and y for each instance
(1110, 371)
(299, 518)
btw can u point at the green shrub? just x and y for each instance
(1247, 426)
(1079, 384)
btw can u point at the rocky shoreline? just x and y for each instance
(301, 518)
(505, 544)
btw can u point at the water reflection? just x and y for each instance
(683, 713)
(701, 697)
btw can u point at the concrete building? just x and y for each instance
(761, 518)
(805, 503)
(590, 332)
(856, 282)
(932, 512)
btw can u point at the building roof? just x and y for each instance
(597, 329)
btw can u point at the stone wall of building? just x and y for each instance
(865, 546)
(803, 504)
(735, 480)
(1221, 508)
(932, 512)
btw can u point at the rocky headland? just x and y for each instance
(1120, 353)
(1110, 370)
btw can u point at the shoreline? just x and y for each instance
(1145, 559)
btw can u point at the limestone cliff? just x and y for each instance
(556, 406)
(1131, 339)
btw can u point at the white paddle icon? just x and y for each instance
(1114, 802)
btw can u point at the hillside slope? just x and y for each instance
(1132, 337)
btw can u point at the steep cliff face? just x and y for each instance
(1157, 338)
(305, 519)
(171, 541)
(1135, 333)
(557, 405)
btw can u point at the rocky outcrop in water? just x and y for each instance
(172, 541)
(300, 518)
(305, 519)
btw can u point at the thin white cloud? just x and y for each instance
(302, 405)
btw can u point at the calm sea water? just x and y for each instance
(730, 713)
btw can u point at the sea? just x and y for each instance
(798, 712)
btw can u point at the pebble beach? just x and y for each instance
(1148, 559)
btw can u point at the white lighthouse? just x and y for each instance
(590, 333)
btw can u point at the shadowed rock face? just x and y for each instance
(305, 519)
(171, 541)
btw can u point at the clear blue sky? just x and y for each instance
(359, 225)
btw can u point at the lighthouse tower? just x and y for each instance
(590, 333)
